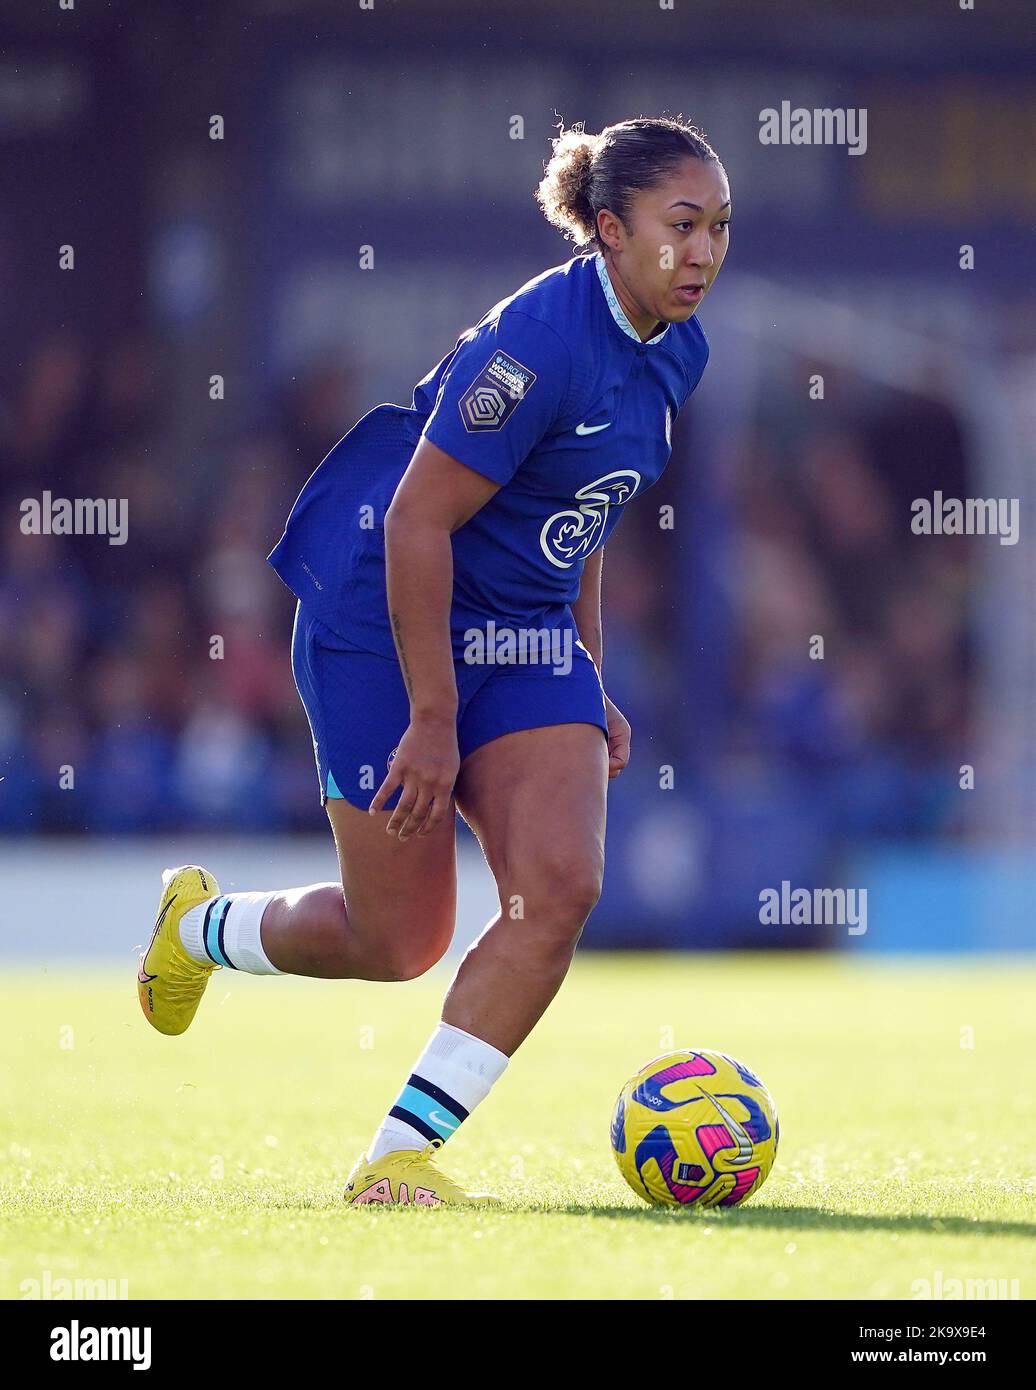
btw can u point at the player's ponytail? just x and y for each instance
(564, 193)
(586, 173)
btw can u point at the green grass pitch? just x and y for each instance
(211, 1166)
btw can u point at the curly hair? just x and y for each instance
(586, 173)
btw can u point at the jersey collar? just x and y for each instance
(617, 311)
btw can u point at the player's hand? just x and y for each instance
(425, 766)
(618, 738)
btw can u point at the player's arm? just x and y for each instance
(435, 496)
(587, 608)
(497, 399)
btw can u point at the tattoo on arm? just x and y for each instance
(398, 638)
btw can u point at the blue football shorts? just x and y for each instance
(358, 708)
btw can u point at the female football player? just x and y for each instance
(446, 558)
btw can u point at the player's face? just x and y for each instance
(672, 251)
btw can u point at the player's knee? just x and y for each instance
(411, 965)
(565, 892)
(398, 959)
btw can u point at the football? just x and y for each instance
(695, 1129)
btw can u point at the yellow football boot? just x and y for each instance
(409, 1177)
(169, 983)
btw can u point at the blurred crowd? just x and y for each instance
(148, 686)
(853, 670)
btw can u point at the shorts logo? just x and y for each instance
(492, 397)
(391, 757)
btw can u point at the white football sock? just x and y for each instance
(453, 1074)
(227, 931)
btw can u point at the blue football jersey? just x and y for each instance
(554, 397)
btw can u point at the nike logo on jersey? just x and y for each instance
(592, 429)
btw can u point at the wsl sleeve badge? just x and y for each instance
(496, 392)
(695, 1129)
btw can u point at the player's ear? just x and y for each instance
(609, 229)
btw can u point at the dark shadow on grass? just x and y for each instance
(802, 1219)
(756, 1217)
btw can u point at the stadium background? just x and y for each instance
(240, 257)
